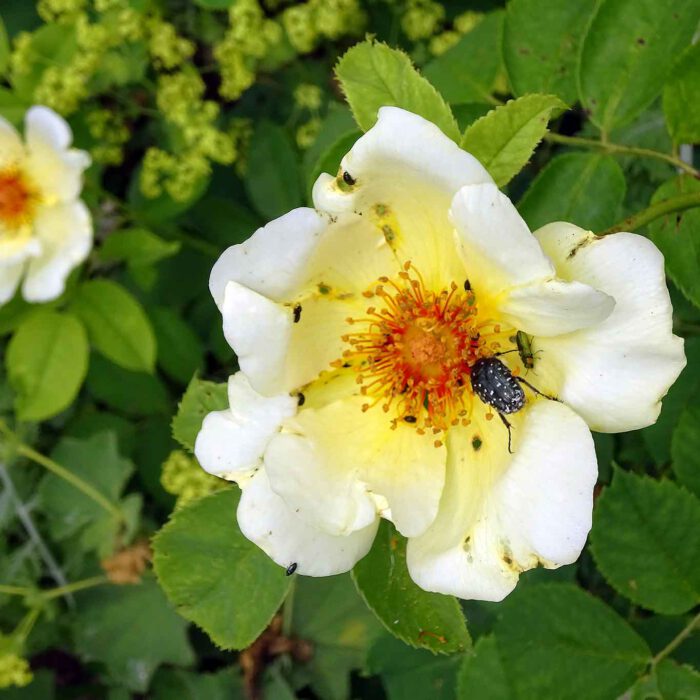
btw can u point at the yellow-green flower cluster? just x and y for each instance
(167, 49)
(60, 10)
(422, 18)
(462, 24)
(247, 40)
(307, 23)
(308, 96)
(183, 477)
(110, 133)
(179, 99)
(307, 132)
(14, 670)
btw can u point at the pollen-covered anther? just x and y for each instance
(17, 199)
(413, 354)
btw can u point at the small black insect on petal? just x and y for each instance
(348, 179)
(410, 419)
(291, 569)
(297, 313)
(301, 399)
(467, 286)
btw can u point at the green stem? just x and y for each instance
(677, 640)
(655, 211)
(624, 150)
(52, 593)
(55, 468)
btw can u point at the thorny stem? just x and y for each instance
(624, 150)
(676, 641)
(60, 471)
(655, 211)
(57, 592)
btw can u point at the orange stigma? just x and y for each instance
(415, 348)
(17, 199)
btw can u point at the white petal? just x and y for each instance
(43, 126)
(10, 276)
(555, 307)
(258, 330)
(264, 518)
(11, 147)
(499, 251)
(231, 443)
(65, 233)
(274, 259)
(406, 172)
(616, 373)
(52, 164)
(503, 514)
(282, 347)
(337, 464)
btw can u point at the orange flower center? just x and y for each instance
(17, 199)
(414, 350)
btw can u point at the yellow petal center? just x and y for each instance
(18, 199)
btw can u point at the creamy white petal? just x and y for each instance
(337, 464)
(503, 514)
(56, 168)
(65, 233)
(231, 443)
(405, 173)
(17, 247)
(555, 307)
(499, 251)
(613, 374)
(266, 520)
(11, 147)
(10, 276)
(282, 347)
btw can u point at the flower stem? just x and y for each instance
(60, 471)
(676, 641)
(623, 150)
(57, 592)
(655, 211)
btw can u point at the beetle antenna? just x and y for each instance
(536, 390)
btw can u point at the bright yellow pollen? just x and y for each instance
(17, 199)
(414, 350)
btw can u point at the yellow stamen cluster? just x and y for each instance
(414, 350)
(18, 200)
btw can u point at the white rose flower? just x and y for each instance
(45, 229)
(409, 350)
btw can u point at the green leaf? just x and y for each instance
(677, 682)
(117, 324)
(627, 52)
(46, 363)
(4, 49)
(180, 350)
(685, 449)
(330, 614)
(482, 674)
(586, 189)
(215, 576)
(541, 42)
(557, 641)
(200, 398)
(131, 630)
(678, 238)
(684, 392)
(176, 683)
(373, 75)
(272, 177)
(467, 71)
(215, 4)
(505, 138)
(13, 107)
(136, 246)
(134, 393)
(70, 512)
(413, 673)
(644, 534)
(42, 687)
(421, 619)
(680, 91)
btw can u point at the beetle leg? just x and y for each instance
(536, 390)
(508, 426)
